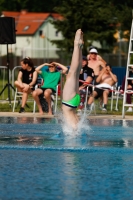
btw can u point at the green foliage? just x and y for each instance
(99, 19)
(30, 5)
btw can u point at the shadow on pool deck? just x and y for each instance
(28, 114)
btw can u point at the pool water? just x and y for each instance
(38, 161)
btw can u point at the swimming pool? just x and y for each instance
(37, 161)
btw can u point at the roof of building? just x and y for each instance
(27, 23)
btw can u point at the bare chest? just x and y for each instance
(94, 64)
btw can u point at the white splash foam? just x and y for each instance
(82, 127)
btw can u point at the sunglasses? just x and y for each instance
(94, 53)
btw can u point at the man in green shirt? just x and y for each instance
(51, 80)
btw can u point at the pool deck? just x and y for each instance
(103, 116)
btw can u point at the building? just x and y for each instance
(34, 33)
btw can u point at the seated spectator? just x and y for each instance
(106, 79)
(98, 56)
(87, 75)
(129, 87)
(51, 80)
(94, 63)
(26, 80)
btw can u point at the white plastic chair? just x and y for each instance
(18, 96)
(113, 94)
(86, 100)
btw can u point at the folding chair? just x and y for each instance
(113, 94)
(86, 100)
(118, 96)
(18, 96)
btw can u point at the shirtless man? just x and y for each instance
(71, 97)
(106, 79)
(95, 63)
(98, 56)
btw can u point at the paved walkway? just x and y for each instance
(27, 114)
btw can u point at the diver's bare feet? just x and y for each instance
(78, 38)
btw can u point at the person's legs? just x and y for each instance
(24, 96)
(24, 99)
(71, 87)
(35, 95)
(91, 99)
(105, 98)
(129, 100)
(82, 98)
(19, 87)
(47, 94)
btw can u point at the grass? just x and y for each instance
(4, 94)
(5, 107)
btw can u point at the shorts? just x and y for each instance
(43, 89)
(74, 102)
(95, 77)
(100, 92)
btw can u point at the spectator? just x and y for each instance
(94, 63)
(106, 79)
(98, 56)
(51, 80)
(26, 80)
(87, 75)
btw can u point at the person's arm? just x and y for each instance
(101, 59)
(41, 66)
(63, 67)
(99, 78)
(32, 83)
(19, 78)
(114, 77)
(102, 64)
(88, 56)
(87, 81)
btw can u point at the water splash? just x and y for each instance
(82, 127)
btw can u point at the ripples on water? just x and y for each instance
(39, 161)
(40, 132)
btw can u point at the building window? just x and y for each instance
(26, 28)
(40, 32)
(56, 33)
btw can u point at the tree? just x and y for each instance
(96, 18)
(30, 5)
